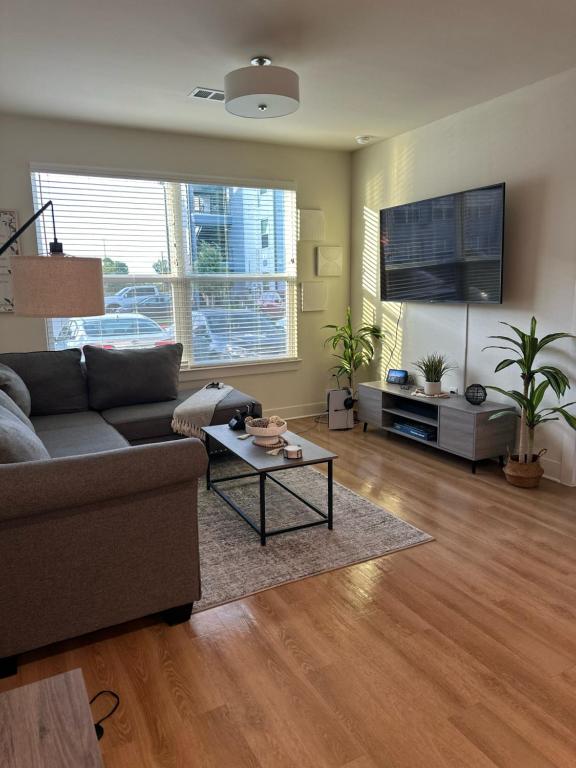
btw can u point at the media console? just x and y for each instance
(451, 424)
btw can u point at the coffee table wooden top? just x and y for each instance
(256, 456)
(48, 725)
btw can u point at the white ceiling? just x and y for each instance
(371, 66)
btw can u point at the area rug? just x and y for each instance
(234, 564)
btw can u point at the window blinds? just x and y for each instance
(211, 266)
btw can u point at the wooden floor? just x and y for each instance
(458, 653)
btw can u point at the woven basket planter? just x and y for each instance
(524, 475)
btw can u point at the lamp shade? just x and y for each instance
(261, 92)
(57, 286)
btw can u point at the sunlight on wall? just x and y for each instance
(393, 342)
(392, 185)
(369, 312)
(371, 253)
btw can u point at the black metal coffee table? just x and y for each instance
(264, 465)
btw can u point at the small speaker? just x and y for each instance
(397, 376)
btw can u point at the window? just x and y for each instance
(264, 233)
(182, 262)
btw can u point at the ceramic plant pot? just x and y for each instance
(432, 387)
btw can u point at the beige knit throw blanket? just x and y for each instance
(197, 411)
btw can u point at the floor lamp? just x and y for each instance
(56, 285)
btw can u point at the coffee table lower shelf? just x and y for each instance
(261, 530)
(265, 466)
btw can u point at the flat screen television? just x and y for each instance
(446, 249)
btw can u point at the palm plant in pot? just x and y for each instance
(353, 349)
(523, 469)
(433, 367)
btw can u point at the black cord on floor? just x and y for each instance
(98, 725)
(322, 418)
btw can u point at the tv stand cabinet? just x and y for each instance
(451, 424)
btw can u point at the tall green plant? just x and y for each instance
(352, 348)
(528, 346)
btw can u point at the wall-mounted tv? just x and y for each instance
(446, 249)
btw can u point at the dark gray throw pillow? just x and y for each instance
(15, 388)
(129, 376)
(18, 442)
(55, 380)
(8, 404)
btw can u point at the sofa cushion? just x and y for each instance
(73, 434)
(55, 380)
(15, 388)
(9, 404)
(18, 441)
(118, 377)
(151, 421)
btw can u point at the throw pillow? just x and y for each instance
(8, 404)
(55, 380)
(15, 388)
(119, 377)
(17, 441)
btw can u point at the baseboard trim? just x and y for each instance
(553, 471)
(297, 411)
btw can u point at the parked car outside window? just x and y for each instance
(234, 334)
(123, 331)
(272, 304)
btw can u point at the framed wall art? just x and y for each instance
(8, 226)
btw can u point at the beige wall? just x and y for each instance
(322, 178)
(526, 139)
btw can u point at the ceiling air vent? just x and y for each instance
(207, 94)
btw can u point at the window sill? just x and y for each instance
(205, 372)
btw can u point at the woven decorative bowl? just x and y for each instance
(266, 431)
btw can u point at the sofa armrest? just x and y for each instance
(35, 487)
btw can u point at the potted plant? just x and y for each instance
(523, 469)
(433, 367)
(352, 348)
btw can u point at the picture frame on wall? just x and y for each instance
(8, 226)
(314, 296)
(329, 261)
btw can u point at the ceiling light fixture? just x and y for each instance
(262, 90)
(364, 139)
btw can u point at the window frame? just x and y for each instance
(262, 186)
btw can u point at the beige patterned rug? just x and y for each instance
(234, 565)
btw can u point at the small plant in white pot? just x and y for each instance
(433, 367)
(523, 469)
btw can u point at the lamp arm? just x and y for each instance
(55, 246)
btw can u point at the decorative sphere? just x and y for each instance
(475, 394)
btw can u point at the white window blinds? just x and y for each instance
(211, 266)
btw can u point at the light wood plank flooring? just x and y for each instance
(459, 653)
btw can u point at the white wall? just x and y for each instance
(528, 140)
(322, 178)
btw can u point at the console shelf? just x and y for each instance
(410, 437)
(433, 422)
(460, 428)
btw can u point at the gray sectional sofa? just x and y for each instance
(98, 507)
